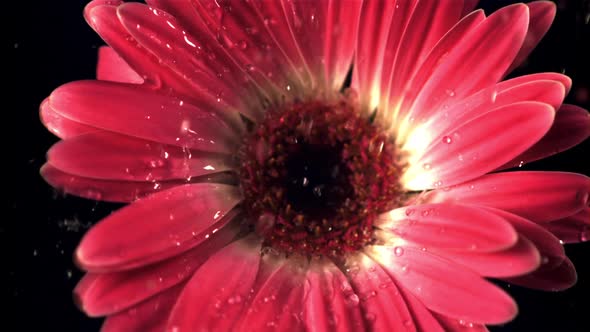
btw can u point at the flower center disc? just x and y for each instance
(315, 176)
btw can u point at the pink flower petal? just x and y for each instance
(330, 303)
(428, 26)
(134, 111)
(449, 226)
(374, 28)
(59, 125)
(111, 67)
(278, 299)
(383, 306)
(157, 227)
(570, 128)
(215, 296)
(105, 155)
(397, 90)
(556, 278)
(102, 17)
(107, 293)
(572, 229)
(551, 250)
(521, 258)
(527, 88)
(445, 287)
(332, 25)
(480, 145)
(148, 316)
(537, 196)
(423, 318)
(469, 6)
(104, 190)
(246, 36)
(542, 14)
(446, 84)
(183, 53)
(459, 325)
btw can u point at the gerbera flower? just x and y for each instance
(267, 194)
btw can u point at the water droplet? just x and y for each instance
(520, 163)
(352, 300)
(584, 234)
(288, 87)
(398, 251)
(69, 274)
(447, 140)
(156, 163)
(405, 269)
(425, 213)
(494, 95)
(450, 93)
(409, 212)
(242, 44)
(426, 166)
(437, 184)
(93, 194)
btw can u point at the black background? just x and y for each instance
(48, 44)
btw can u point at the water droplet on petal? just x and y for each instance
(447, 140)
(398, 251)
(450, 93)
(409, 212)
(352, 300)
(426, 166)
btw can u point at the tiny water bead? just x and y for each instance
(315, 176)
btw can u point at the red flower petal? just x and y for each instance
(537, 196)
(542, 14)
(157, 227)
(572, 229)
(551, 250)
(446, 84)
(450, 226)
(526, 88)
(556, 278)
(277, 302)
(428, 30)
(105, 155)
(133, 111)
(111, 67)
(331, 25)
(183, 53)
(242, 31)
(148, 316)
(521, 258)
(459, 325)
(215, 296)
(330, 303)
(480, 145)
(105, 190)
(108, 293)
(423, 318)
(570, 128)
(59, 125)
(102, 17)
(383, 306)
(374, 28)
(397, 90)
(445, 287)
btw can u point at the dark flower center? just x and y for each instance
(315, 176)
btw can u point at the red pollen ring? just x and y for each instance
(366, 186)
